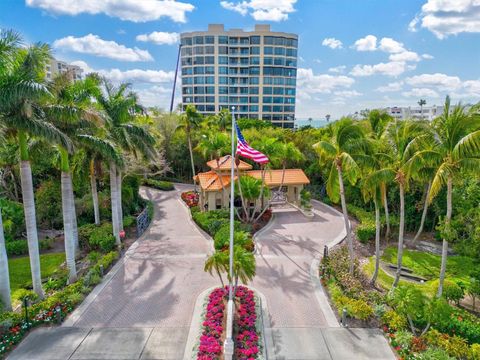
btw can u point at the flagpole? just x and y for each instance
(229, 345)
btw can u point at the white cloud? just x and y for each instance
(262, 10)
(131, 10)
(391, 87)
(391, 46)
(159, 38)
(332, 43)
(421, 92)
(310, 83)
(347, 93)
(448, 17)
(368, 43)
(405, 56)
(318, 61)
(472, 87)
(392, 68)
(155, 95)
(427, 57)
(94, 45)
(437, 80)
(337, 69)
(133, 75)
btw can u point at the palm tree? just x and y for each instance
(377, 121)
(422, 102)
(287, 152)
(121, 106)
(346, 141)
(217, 262)
(22, 90)
(190, 120)
(244, 265)
(403, 138)
(455, 148)
(4, 273)
(250, 190)
(213, 146)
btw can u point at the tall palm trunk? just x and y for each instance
(387, 216)
(424, 213)
(68, 227)
(443, 267)
(221, 180)
(247, 219)
(377, 241)
(4, 274)
(93, 185)
(400, 236)
(74, 219)
(114, 199)
(30, 216)
(191, 156)
(345, 218)
(120, 209)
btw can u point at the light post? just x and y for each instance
(229, 344)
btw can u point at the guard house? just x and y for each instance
(215, 184)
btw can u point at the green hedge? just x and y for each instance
(158, 184)
(20, 247)
(93, 237)
(13, 219)
(210, 221)
(242, 238)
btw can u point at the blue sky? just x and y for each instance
(352, 54)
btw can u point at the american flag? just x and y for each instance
(247, 151)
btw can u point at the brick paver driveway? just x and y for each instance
(302, 324)
(144, 310)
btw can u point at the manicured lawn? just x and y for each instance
(424, 264)
(428, 265)
(20, 269)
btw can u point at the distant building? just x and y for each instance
(415, 112)
(255, 71)
(61, 67)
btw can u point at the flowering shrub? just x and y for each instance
(247, 337)
(245, 331)
(190, 198)
(211, 339)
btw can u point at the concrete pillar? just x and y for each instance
(229, 346)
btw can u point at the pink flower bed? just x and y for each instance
(246, 345)
(211, 339)
(190, 198)
(246, 336)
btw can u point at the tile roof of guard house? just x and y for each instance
(226, 163)
(274, 177)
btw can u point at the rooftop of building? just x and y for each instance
(261, 29)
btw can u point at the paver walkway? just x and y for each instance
(302, 324)
(143, 309)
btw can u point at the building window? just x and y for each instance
(199, 90)
(186, 61)
(187, 81)
(267, 91)
(223, 90)
(268, 40)
(254, 81)
(278, 91)
(278, 81)
(187, 90)
(255, 50)
(209, 99)
(291, 52)
(277, 108)
(210, 80)
(223, 60)
(223, 70)
(267, 108)
(254, 39)
(198, 50)
(267, 99)
(223, 50)
(290, 100)
(253, 108)
(210, 50)
(280, 51)
(186, 51)
(279, 61)
(198, 60)
(186, 41)
(199, 99)
(278, 100)
(291, 62)
(210, 60)
(267, 80)
(199, 70)
(223, 80)
(254, 100)
(253, 90)
(267, 61)
(289, 108)
(268, 50)
(198, 40)
(209, 39)
(223, 39)
(210, 70)
(254, 70)
(187, 71)
(223, 99)
(210, 108)
(199, 80)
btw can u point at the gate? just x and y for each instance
(143, 220)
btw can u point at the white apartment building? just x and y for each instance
(255, 71)
(61, 67)
(415, 112)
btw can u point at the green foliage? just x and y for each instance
(454, 346)
(434, 353)
(84, 234)
(23, 294)
(102, 238)
(159, 185)
(129, 221)
(48, 204)
(356, 308)
(451, 290)
(20, 247)
(394, 320)
(211, 221)
(366, 229)
(241, 238)
(13, 219)
(20, 275)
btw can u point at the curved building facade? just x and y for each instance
(255, 71)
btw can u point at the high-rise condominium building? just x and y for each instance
(61, 67)
(255, 71)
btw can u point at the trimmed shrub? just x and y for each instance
(129, 221)
(356, 308)
(394, 321)
(242, 238)
(20, 247)
(158, 184)
(366, 231)
(211, 221)
(102, 238)
(451, 290)
(84, 233)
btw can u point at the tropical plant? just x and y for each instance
(4, 273)
(217, 262)
(22, 91)
(250, 190)
(190, 121)
(347, 139)
(244, 265)
(402, 137)
(454, 147)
